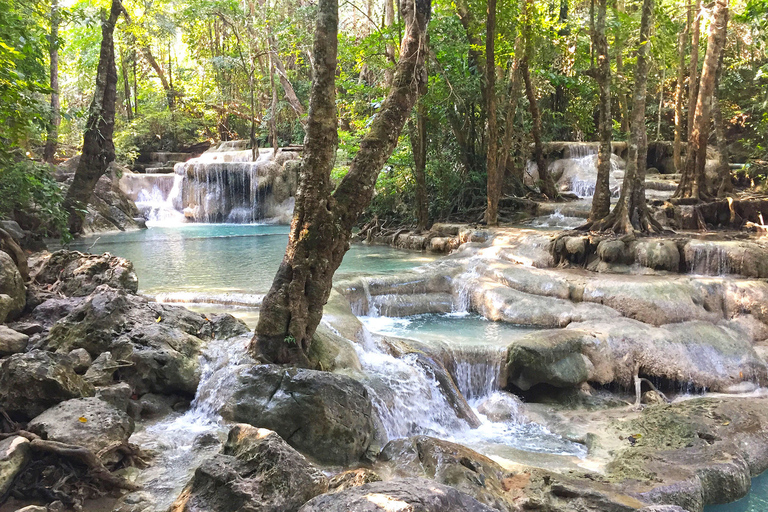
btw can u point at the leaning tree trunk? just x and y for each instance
(601, 201)
(492, 146)
(631, 205)
(678, 145)
(53, 128)
(322, 222)
(693, 81)
(692, 183)
(98, 147)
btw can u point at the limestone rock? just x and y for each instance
(549, 357)
(256, 471)
(323, 415)
(88, 422)
(449, 464)
(14, 455)
(116, 394)
(76, 274)
(402, 494)
(503, 407)
(156, 345)
(11, 342)
(34, 381)
(352, 478)
(13, 293)
(227, 326)
(81, 360)
(658, 255)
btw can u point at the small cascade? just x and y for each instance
(708, 259)
(580, 150)
(477, 371)
(462, 289)
(161, 206)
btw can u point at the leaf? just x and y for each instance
(82, 419)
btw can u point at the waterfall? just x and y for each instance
(159, 206)
(709, 259)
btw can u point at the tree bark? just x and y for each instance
(51, 141)
(623, 99)
(693, 65)
(692, 183)
(290, 94)
(418, 138)
(724, 186)
(678, 145)
(126, 84)
(513, 92)
(273, 107)
(389, 49)
(601, 201)
(322, 222)
(631, 211)
(98, 147)
(492, 147)
(147, 53)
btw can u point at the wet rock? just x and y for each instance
(256, 471)
(613, 251)
(449, 464)
(407, 494)
(658, 255)
(14, 455)
(34, 381)
(76, 274)
(13, 293)
(503, 407)
(720, 257)
(352, 478)
(549, 357)
(330, 351)
(88, 422)
(323, 415)
(227, 326)
(156, 406)
(662, 508)
(81, 360)
(11, 342)
(140, 501)
(155, 346)
(652, 398)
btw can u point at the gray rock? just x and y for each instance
(11, 342)
(33, 508)
(88, 422)
(81, 360)
(256, 471)
(658, 255)
(14, 455)
(612, 251)
(34, 381)
(503, 407)
(548, 357)
(323, 415)
(450, 464)
(13, 229)
(408, 494)
(13, 293)
(156, 406)
(76, 274)
(102, 370)
(352, 478)
(118, 395)
(227, 326)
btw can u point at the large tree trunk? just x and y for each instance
(601, 201)
(98, 147)
(693, 66)
(322, 222)
(53, 128)
(631, 210)
(678, 146)
(492, 146)
(692, 183)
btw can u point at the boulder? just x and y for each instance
(156, 346)
(401, 494)
(33, 381)
(549, 357)
(255, 471)
(449, 464)
(13, 293)
(352, 478)
(88, 422)
(323, 415)
(11, 342)
(226, 326)
(117, 394)
(14, 455)
(658, 254)
(75, 274)
(81, 360)
(719, 257)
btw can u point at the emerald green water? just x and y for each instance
(226, 258)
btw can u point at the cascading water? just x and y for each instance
(160, 207)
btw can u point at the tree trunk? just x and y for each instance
(147, 53)
(418, 138)
(322, 222)
(126, 84)
(492, 146)
(389, 49)
(601, 201)
(273, 108)
(631, 210)
(98, 147)
(513, 91)
(290, 94)
(724, 186)
(692, 182)
(623, 99)
(53, 128)
(678, 146)
(693, 66)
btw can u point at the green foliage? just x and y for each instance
(159, 131)
(29, 187)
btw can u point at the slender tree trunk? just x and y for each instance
(623, 99)
(98, 147)
(724, 186)
(53, 128)
(661, 103)
(692, 183)
(273, 108)
(693, 65)
(322, 222)
(126, 85)
(135, 84)
(631, 210)
(290, 94)
(146, 52)
(418, 138)
(389, 49)
(492, 146)
(601, 201)
(678, 146)
(513, 92)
